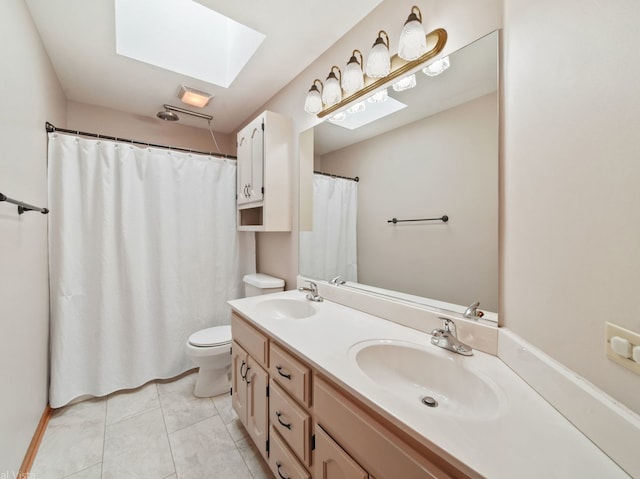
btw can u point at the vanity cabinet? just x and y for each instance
(315, 429)
(264, 149)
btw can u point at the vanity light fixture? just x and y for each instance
(381, 69)
(379, 61)
(436, 68)
(313, 102)
(193, 97)
(379, 97)
(413, 42)
(353, 77)
(405, 83)
(332, 92)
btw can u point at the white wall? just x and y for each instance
(95, 119)
(464, 20)
(571, 196)
(444, 164)
(31, 96)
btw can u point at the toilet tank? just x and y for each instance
(258, 283)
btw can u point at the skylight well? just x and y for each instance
(185, 37)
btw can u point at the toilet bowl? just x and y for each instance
(209, 350)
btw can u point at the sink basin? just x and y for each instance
(286, 308)
(430, 378)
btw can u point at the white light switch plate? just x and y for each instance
(633, 338)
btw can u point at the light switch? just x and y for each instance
(623, 347)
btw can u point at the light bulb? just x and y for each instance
(437, 67)
(413, 41)
(332, 92)
(405, 84)
(379, 62)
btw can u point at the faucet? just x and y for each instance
(447, 338)
(312, 292)
(472, 311)
(337, 281)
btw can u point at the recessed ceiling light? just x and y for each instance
(194, 97)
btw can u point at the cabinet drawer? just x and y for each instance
(291, 374)
(254, 342)
(291, 421)
(282, 461)
(368, 442)
(332, 462)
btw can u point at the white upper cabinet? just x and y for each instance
(264, 174)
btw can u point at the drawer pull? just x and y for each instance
(279, 473)
(286, 376)
(247, 374)
(278, 414)
(243, 375)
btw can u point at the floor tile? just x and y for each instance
(258, 467)
(73, 441)
(125, 404)
(207, 450)
(180, 407)
(93, 472)
(137, 447)
(229, 417)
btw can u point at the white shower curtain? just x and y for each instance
(143, 251)
(330, 248)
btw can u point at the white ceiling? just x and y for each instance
(79, 36)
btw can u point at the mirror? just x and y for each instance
(436, 155)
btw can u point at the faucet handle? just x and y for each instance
(449, 326)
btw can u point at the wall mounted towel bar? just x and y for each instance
(443, 218)
(22, 207)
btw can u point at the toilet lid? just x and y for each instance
(215, 336)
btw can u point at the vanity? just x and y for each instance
(328, 391)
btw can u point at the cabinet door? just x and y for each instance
(243, 166)
(331, 462)
(257, 161)
(257, 405)
(250, 144)
(239, 367)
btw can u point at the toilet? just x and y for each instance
(209, 348)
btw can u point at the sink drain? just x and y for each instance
(429, 401)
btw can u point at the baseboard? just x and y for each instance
(30, 456)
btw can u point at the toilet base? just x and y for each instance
(212, 382)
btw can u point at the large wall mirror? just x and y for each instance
(433, 152)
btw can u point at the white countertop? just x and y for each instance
(528, 439)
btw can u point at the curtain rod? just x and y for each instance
(50, 129)
(356, 179)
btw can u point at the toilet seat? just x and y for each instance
(211, 337)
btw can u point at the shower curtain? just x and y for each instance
(143, 251)
(330, 248)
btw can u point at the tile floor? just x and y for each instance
(158, 431)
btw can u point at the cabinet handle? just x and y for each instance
(247, 374)
(243, 376)
(286, 376)
(288, 426)
(279, 473)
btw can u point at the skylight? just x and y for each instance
(185, 37)
(373, 112)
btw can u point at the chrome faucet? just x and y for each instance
(472, 311)
(312, 292)
(447, 338)
(337, 281)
